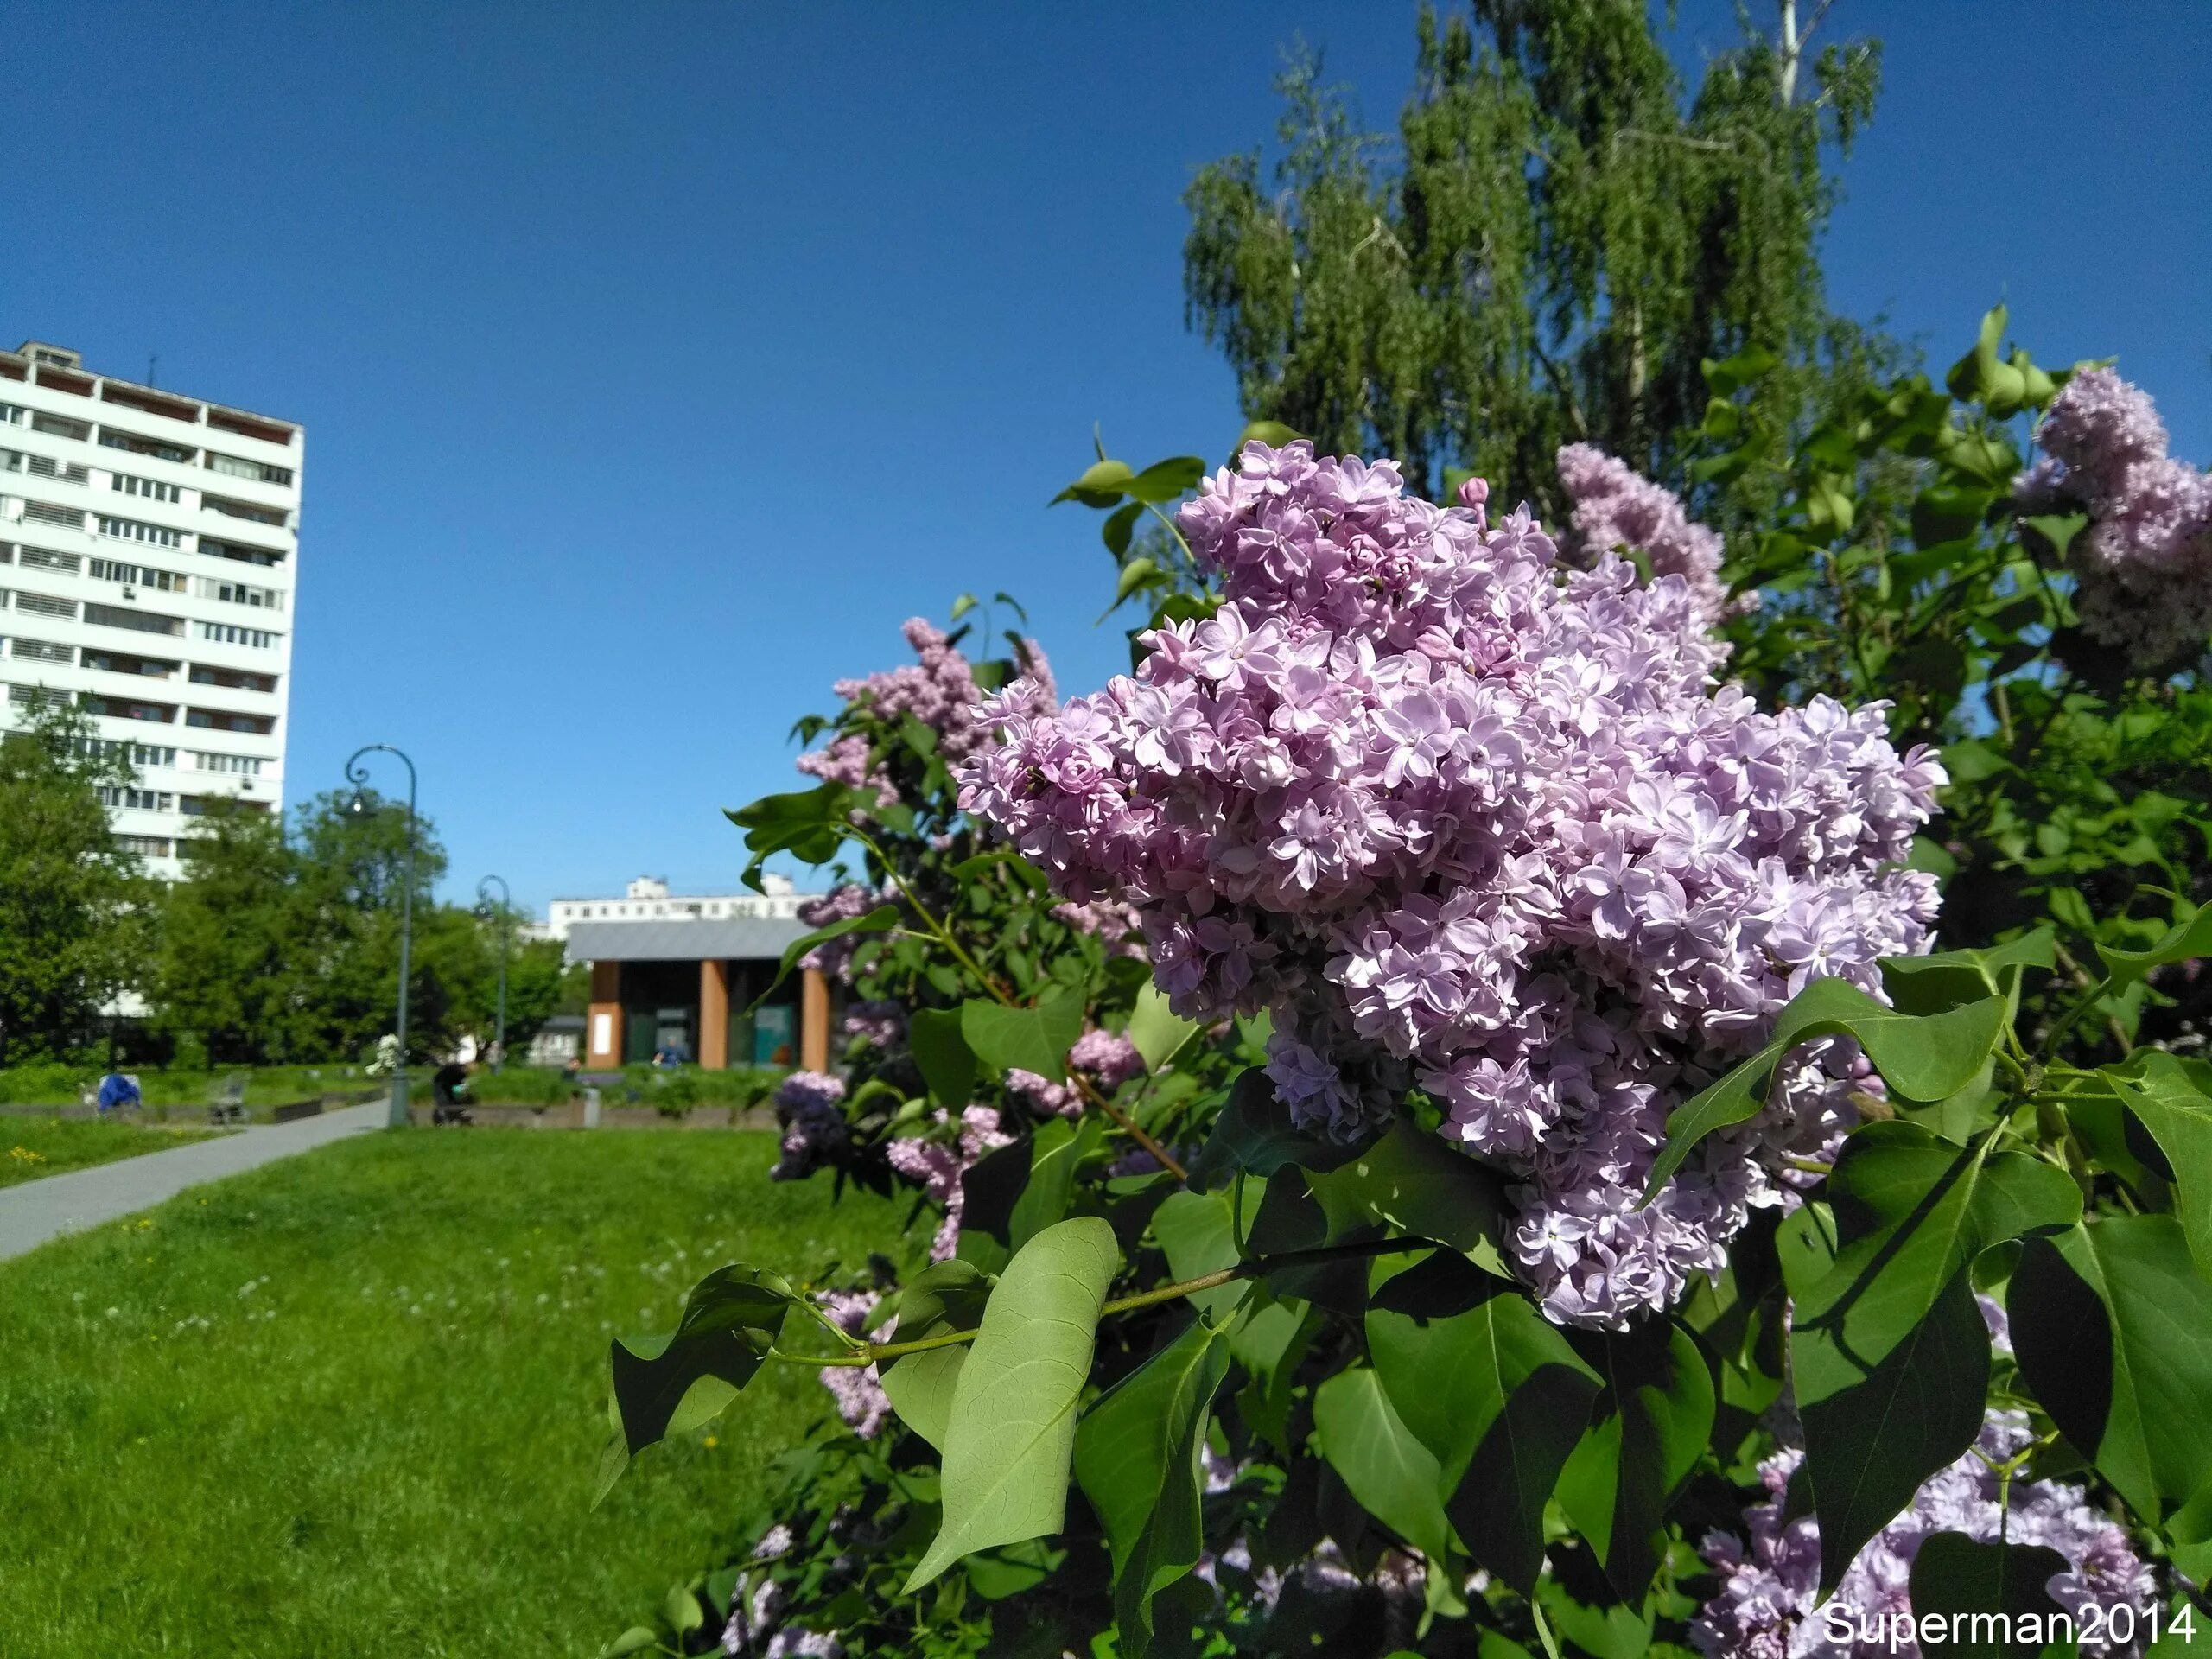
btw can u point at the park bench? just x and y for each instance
(226, 1100)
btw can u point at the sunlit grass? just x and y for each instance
(33, 1147)
(352, 1403)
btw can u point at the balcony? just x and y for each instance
(150, 403)
(93, 703)
(137, 443)
(223, 719)
(114, 616)
(246, 426)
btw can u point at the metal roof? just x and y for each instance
(746, 938)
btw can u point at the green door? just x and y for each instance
(640, 1031)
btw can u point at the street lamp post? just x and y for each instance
(507, 914)
(358, 775)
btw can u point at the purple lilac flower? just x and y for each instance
(1766, 1609)
(1107, 1056)
(879, 1024)
(815, 1130)
(2143, 561)
(857, 1389)
(1116, 927)
(834, 957)
(938, 1166)
(1053, 1099)
(1616, 506)
(1467, 822)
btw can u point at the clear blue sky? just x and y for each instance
(658, 360)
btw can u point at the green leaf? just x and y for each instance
(810, 824)
(1273, 434)
(1390, 1471)
(1134, 575)
(1951, 979)
(1650, 1427)
(962, 605)
(1136, 1459)
(2165, 1099)
(1983, 1592)
(1060, 1146)
(1921, 1057)
(1035, 1038)
(943, 1296)
(1166, 479)
(1254, 1133)
(1102, 485)
(1157, 1030)
(1888, 1352)
(2186, 939)
(730, 1320)
(881, 919)
(1493, 1390)
(636, 1639)
(1195, 1230)
(2112, 1328)
(948, 1064)
(1012, 1432)
(1419, 1184)
(1120, 526)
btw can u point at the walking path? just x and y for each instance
(36, 1211)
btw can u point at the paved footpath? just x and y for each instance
(36, 1211)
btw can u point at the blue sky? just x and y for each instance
(658, 360)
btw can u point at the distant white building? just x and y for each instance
(149, 554)
(648, 899)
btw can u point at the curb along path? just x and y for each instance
(37, 1210)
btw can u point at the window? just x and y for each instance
(137, 800)
(7, 552)
(122, 662)
(139, 754)
(14, 460)
(242, 509)
(243, 555)
(244, 766)
(39, 651)
(225, 633)
(130, 530)
(59, 426)
(237, 679)
(238, 593)
(221, 720)
(46, 605)
(14, 414)
(42, 558)
(238, 466)
(38, 697)
(145, 846)
(114, 438)
(152, 488)
(45, 512)
(144, 621)
(137, 575)
(94, 703)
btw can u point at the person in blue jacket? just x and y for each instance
(117, 1091)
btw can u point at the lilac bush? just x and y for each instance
(1616, 507)
(2145, 560)
(1467, 822)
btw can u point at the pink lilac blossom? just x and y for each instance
(939, 690)
(2143, 561)
(1468, 823)
(1108, 1056)
(1116, 925)
(879, 1024)
(858, 1391)
(834, 957)
(938, 1165)
(1766, 1608)
(815, 1128)
(1616, 506)
(1054, 1099)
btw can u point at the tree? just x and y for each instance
(1547, 254)
(71, 901)
(223, 969)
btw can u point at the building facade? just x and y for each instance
(648, 899)
(149, 558)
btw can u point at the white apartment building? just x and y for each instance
(648, 899)
(148, 547)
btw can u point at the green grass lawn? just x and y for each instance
(32, 1146)
(352, 1404)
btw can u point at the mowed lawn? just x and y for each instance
(33, 1146)
(352, 1404)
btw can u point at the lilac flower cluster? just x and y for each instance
(815, 1130)
(879, 1024)
(1108, 1058)
(939, 690)
(2143, 561)
(1616, 506)
(1117, 926)
(939, 1164)
(834, 957)
(857, 1388)
(1468, 823)
(1765, 1608)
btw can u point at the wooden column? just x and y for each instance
(603, 1021)
(714, 1014)
(814, 1021)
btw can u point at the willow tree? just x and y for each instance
(1558, 238)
